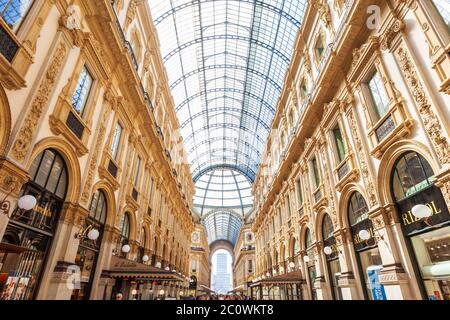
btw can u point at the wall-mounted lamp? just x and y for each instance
(25, 203)
(364, 235)
(90, 232)
(145, 258)
(327, 250)
(306, 259)
(422, 211)
(158, 265)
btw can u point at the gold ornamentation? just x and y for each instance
(391, 33)
(433, 126)
(131, 13)
(363, 160)
(26, 133)
(95, 157)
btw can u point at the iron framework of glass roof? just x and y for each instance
(222, 225)
(226, 61)
(223, 187)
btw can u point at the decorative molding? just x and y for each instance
(95, 157)
(362, 159)
(433, 126)
(27, 132)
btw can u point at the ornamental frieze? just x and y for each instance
(362, 159)
(27, 132)
(433, 126)
(95, 158)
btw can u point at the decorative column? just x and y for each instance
(346, 282)
(320, 284)
(11, 180)
(393, 276)
(102, 284)
(62, 275)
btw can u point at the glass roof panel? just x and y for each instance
(226, 61)
(233, 49)
(222, 225)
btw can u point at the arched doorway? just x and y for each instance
(28, 236)
(367, 254)
(310, 263)
(428, 238)
(124, 238)
(332, 256)
(88, 250)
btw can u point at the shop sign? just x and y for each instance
(359, 243)
(373, 275)
(331, 242)
(433, 199)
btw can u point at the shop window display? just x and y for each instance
(412, 185)
(29, 234)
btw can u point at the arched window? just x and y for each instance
(48, 171)
(357, 209)
(125, 231)
(88, 250)
(97, 209)
(310, 264)
(333, 266)
(143, 238)
(327, 227)
(411, 174)
(142, 244)
(368, 255)
(296, 247)
(308, 239)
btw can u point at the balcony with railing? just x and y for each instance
(15, 58)
(326, 71)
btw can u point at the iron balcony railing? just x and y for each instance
(129, 47)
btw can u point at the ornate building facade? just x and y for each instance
(244, 264)
(89, 144)
(352, 193)
(200, 263)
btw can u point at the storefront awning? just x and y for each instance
(123, 268)
(291, 277)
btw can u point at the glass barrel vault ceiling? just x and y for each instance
(226, 61)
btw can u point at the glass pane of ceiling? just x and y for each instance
(223, 188)
(226, 61)
(222, 225)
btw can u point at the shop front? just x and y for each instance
(310, 264)
(332, 257)
(29, 234)
(138, 281)
(367, 253)
(282, 287)
(425, 220)
(90, 243)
